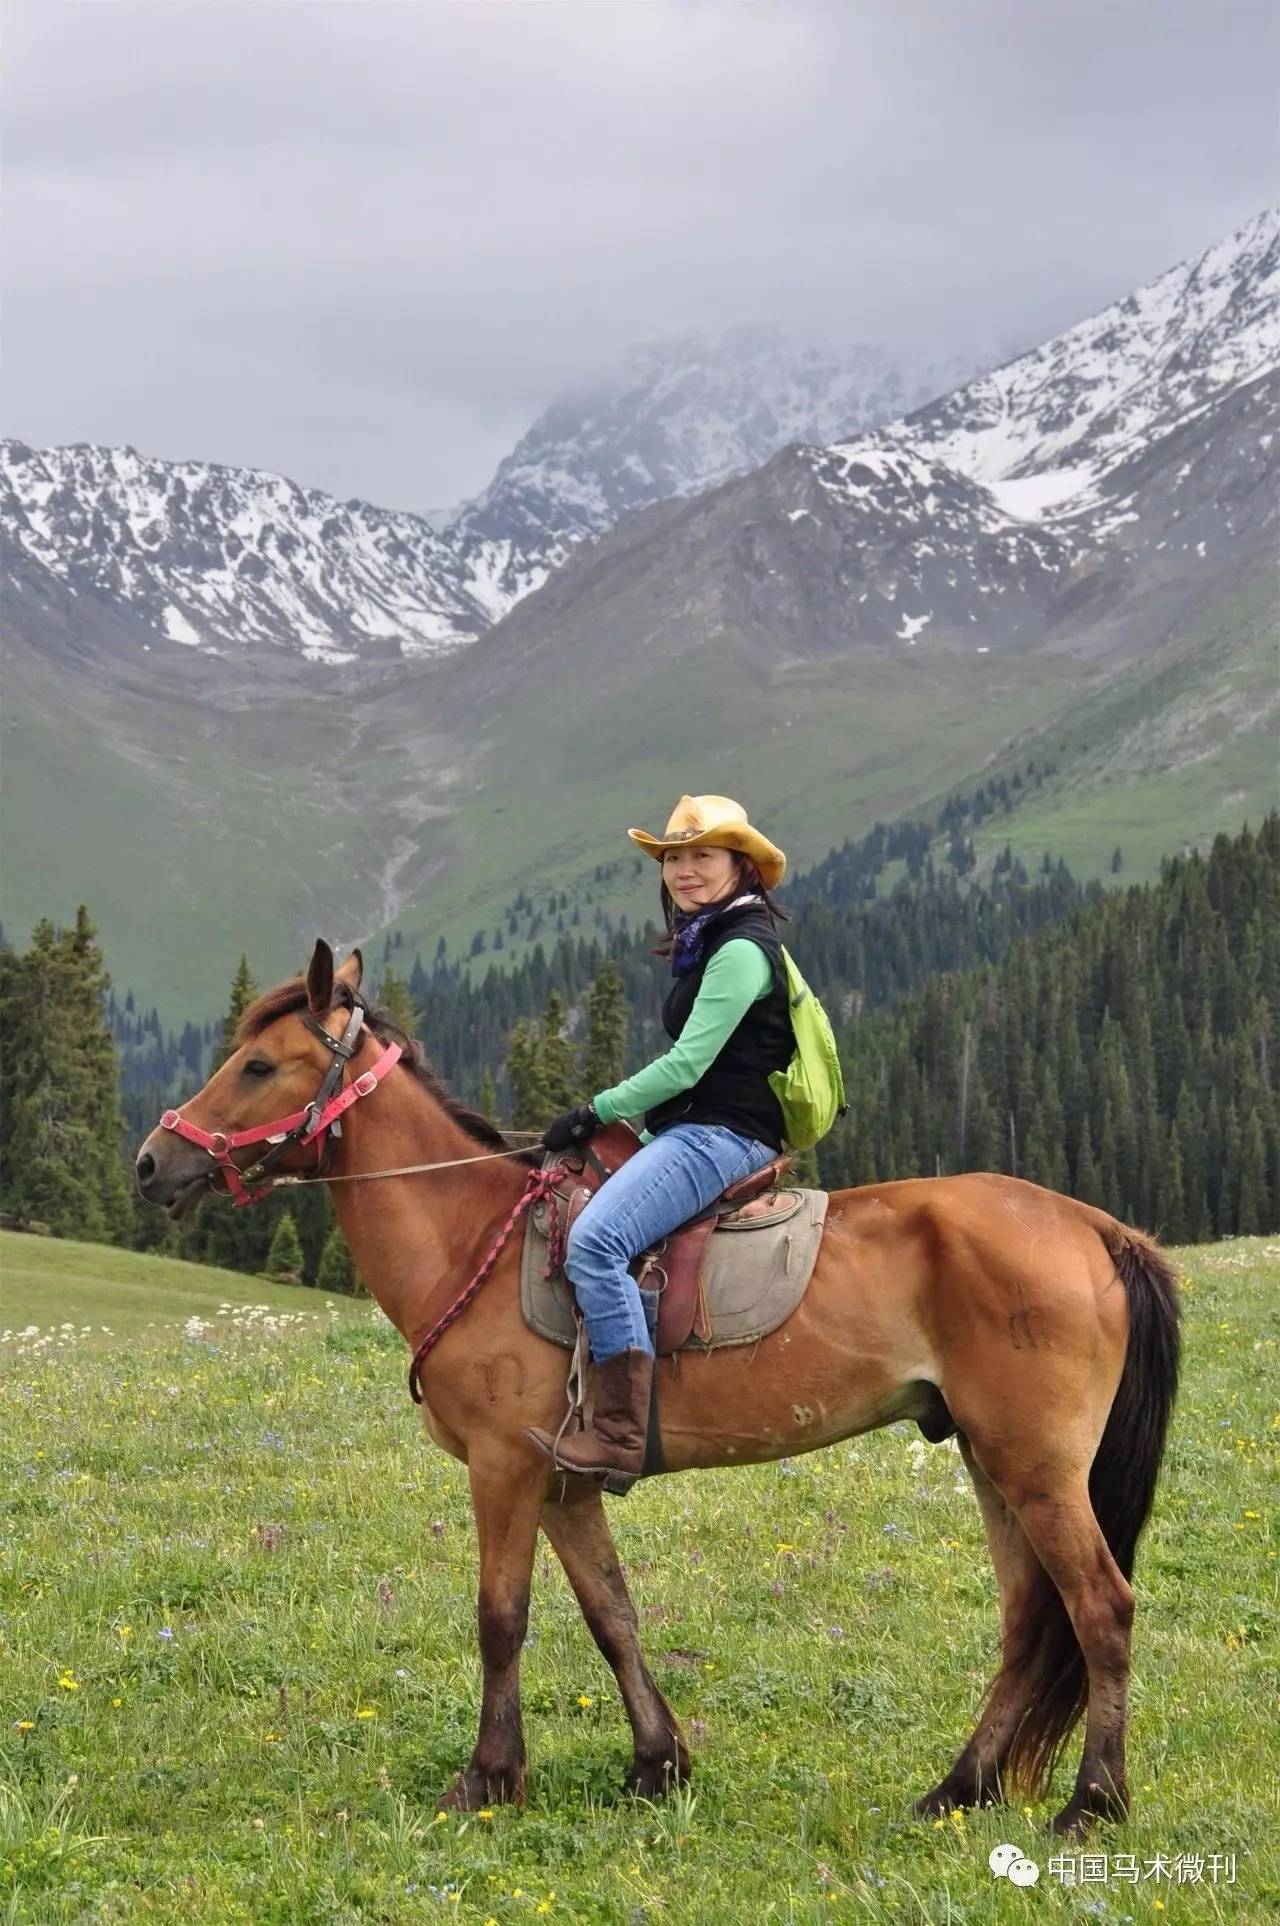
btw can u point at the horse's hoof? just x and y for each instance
(945, 1798)
(655, 1778)
(1081, 1813)
(473, 1790)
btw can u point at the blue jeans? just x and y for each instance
(668, 1180)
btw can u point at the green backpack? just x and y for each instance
(811, 1088)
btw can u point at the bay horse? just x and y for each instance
(1043, 1331)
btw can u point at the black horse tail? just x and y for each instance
(1122, 1484)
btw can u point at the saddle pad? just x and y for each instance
(753, 1277)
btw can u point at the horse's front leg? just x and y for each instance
(507, 1489)
(579, 1531)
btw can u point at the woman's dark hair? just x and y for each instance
(748, 878)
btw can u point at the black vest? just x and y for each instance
(734, 1090)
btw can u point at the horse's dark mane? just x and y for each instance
(288, 997)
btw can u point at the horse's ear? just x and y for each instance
(352, 970)
(320, 979)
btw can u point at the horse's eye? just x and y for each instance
(258, 1067)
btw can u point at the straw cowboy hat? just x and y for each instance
(720, 821)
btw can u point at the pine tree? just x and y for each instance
(488, 1101)
(1251, 1213)
(337, 1271)
(531, 1105)
(63, 1131)
(101, 1067)
(284, 1259)
(394, 998)
(243, 990)
(1169, 1208)
(237, 1240)
(1087, 1187)
(605, 1056)
(558, 1059)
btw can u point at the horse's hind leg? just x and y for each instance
(1070, 1544)
(579, 1531)
(1067, 1641)
(976, 1777)
(506, 1492)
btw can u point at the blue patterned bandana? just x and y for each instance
(690, 930)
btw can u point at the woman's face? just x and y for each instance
(696, 877)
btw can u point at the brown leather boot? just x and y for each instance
(612, 1448)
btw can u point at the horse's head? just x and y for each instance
(275, 1069)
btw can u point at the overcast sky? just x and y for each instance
(364, 243)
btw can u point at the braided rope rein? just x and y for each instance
(538, 1185)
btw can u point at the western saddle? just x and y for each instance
(673, 1266)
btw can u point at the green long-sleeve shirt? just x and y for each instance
(736, 977)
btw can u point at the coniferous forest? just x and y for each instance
(1127, 1057)
(1120, 1046)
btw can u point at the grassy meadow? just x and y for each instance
(237, 1652)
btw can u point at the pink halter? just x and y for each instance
(308, 1126)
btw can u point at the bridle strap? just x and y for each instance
(308, 1126)
(313, 1125)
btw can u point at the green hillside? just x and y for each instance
(257, 826)
(1181, 747)
(52, 1282)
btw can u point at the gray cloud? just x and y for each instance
(365, 243)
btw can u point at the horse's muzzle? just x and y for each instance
(175, 1183)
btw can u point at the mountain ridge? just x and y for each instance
(842, 634)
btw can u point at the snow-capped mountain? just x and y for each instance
(229, 560)
(1046, 433)
(1020, 473)
(1147, 429)
(677, 417)
(232, 560)
(1082, 496)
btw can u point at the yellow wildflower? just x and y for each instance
(366, 1712)
(26, 1725)
(69, 1683)
(585, 1699)
(485, 1812)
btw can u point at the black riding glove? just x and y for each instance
(571, 1127)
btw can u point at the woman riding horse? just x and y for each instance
(710, 1114)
